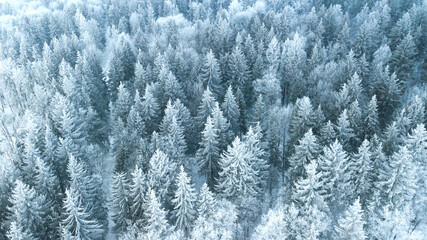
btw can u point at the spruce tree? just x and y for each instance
(371, 118)
(205, 108)
(231, 110)
(361, 168)
(161, 173)
(77, 219)
(184, 202)
(175, 144)
(137, 193)
(306, 150)
(302, 118)
(208, 154)
(206, 202)
(237, 177)
(150, 108)
(350, 226)
(333, 164)
(16, 232)
(120, 202)
(157, 226)
(345, 133)
(210, 74)
(27, 209)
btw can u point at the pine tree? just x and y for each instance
(26, 209)
(237, 176)
(302, 118)
(161, 174)
(206, 202)
(48, 185)
(205, 108)
(137, 193)
(327, 134)
(269, 87)
(223, 126)
(231, 110)
(344, 131)
(157, 226)
(402, 186)
(175, 145)
(239, 71)
(307, 194)
(361, 169)
(371, 117)
(172, 88)
(73, 130)
(306, 150)
(123, 102)
(120, 202)
(184, 202)
(253, 141)
(77, 220)
(350, 226)
(210, 74)
(16, 232)
(150, 108)
(208, 154)
(333, 164)
(403, 58)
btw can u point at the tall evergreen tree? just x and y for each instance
(208, 154)
(184, 202)
(161, 173)
(237, 176)
(231, 110)
(206, 202)
(210, 74)
(27, 209)
(120, 202)
(306, 150)
(350, 226)
(361, 169)
(137, 192)
(77, 219)
(157, 226)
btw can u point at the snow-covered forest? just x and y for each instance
(213, 119)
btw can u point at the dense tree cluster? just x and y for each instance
(228, 119)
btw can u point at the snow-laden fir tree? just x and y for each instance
(120, 202)
(161, 174)
(184, 202)
(48, 185)
(150, 108)
(205, 107)
(237, 176)
(345, 133)
(77, 219)
(137, 193)
(307, 194)
(350, 225)
(306, 150)
(206, 202)
(175, 145)
(327, 133)
(27, 209)
(370, 117)
(402, 184)
(253, 142)
(210, 74)
(361, 170)
(157, 226)
(223, 126)
(302, 118)
(333, 164)
(16, 232)
(208, 153)
(231, 110)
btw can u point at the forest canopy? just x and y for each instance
(205, 119)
